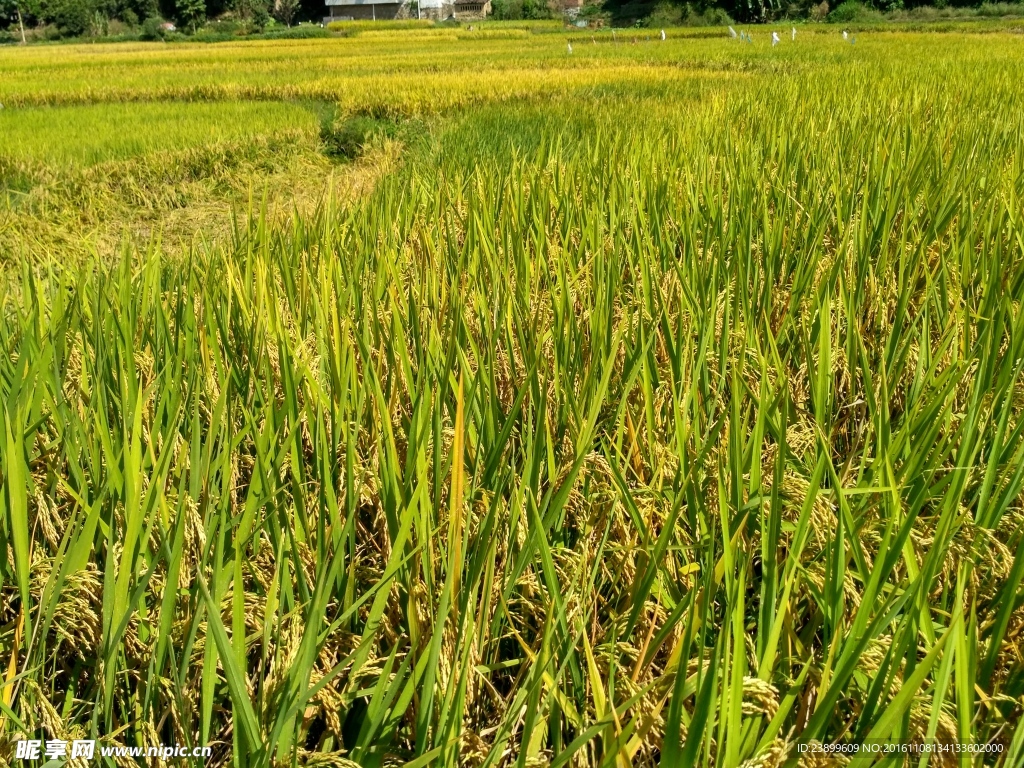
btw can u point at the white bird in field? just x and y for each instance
(732, 33)
(794, 33)
(663, 35)
(846, 35)
(570, 47)
(775, 39)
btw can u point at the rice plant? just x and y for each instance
(643, 414)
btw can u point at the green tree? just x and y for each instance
(536, 9)
(284, 11)
(16, 14)
(260, 15)
(191, 13)
(73, 18)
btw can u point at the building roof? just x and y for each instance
(362, 2)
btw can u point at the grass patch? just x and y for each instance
(356, 26)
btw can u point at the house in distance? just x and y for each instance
(381, 10)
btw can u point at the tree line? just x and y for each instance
(103, 18)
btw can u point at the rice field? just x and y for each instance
(99, 133)
(495, 405)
